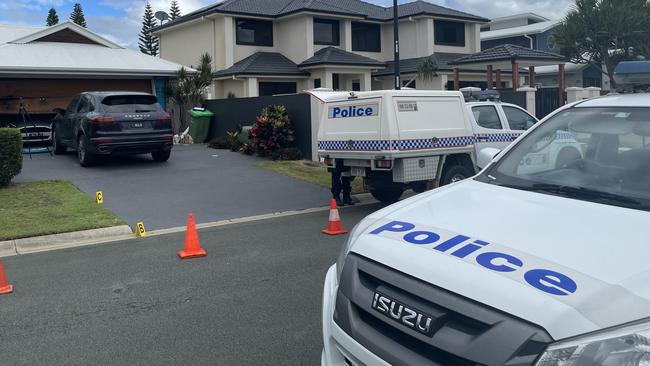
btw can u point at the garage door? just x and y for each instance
(43, 95)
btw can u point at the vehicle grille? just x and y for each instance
(466, 333)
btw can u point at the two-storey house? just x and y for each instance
(284, 46)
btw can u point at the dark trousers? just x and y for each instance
(340, 183)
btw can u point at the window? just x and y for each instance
(486, 116)
(449, 33)
(335, 81)
(356, 85)
(131, 104)
(326, 31)
(83, 105)
(518, 119)
(275, 88)
(317, 83)
(72, 107)
(255, 32)
(366, 37)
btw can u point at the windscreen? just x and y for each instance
(594, 154)
(131, 104)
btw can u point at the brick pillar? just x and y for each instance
(456, 78)
(489, 77)
(562, 83)
(531, 76)
(515, 75)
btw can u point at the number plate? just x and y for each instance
(137, 125)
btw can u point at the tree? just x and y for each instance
(174, 10)
(52, 18)
(189, 87)
(77, 15)
(148, 43)
(604, 32)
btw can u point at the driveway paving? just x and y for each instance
(212, 184)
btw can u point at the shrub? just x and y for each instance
(272, 130)
(288, 153)
(11, 154)
(220, 142)
(247, 148)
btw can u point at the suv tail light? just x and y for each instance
(165, 121)
(384, 164)
(102, 120)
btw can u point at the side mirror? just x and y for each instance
(60, 111)
(485, 156)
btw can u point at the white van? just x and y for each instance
(524, 264)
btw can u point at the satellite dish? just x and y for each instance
(162, 16)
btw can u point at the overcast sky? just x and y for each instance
(120, 20)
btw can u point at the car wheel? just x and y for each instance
(85, 158)
(161, 156)
(455, 173)
(58, 147)
(387, 195)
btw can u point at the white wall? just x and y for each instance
(295, 38)
(185, 45)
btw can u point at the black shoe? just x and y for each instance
(339, 203)
(348, 200)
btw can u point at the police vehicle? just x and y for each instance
(520, 265)
(397, 140)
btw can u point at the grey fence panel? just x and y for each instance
(546, 101)
(230, 113)
(513, 97)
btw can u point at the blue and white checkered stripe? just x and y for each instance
(352, 145)
(496, 137)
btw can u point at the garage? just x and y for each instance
(45, 67)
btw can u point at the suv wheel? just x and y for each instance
(455, 173)
(85, 158)
(161, 156)
(58, 147)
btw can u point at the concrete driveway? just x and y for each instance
(212, 184)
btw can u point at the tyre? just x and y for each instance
(387, 195)
(420, 187)
(86, 159)
(161, 156)
(57, 146)
(455, 173)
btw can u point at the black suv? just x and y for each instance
(105, 123)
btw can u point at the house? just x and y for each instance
(48, 66)
(535, 32)
(284, 46)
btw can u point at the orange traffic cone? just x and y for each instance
(192, 246)
(334, 226)
(5, 287)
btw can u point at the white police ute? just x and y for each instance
(396, 140)
(543, 265)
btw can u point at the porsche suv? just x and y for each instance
(107, 123)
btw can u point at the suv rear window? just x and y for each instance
(131, 104)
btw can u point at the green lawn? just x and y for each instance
(308, 171)
(49, 207)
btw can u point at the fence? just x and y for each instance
(546, 101)
(513, 97)
(231, 113)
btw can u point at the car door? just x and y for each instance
(517, 119)
(489, 129)
(64, 125)
(80, 114)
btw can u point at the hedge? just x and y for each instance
(11, 154)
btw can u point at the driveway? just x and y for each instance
(212, 184)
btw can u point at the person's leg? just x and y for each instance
(336, 186)
(347, 190)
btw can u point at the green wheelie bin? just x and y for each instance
(199, 124)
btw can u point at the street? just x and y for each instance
(254, 300)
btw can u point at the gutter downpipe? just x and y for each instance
(530, 39)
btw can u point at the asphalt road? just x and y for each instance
(212, 184)
(254, 300)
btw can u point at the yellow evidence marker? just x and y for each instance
(99, 197)
(140, 231)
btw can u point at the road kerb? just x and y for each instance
(7, 248)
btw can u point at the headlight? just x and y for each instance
(622, 346)
(356, 231)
